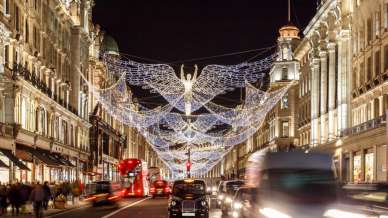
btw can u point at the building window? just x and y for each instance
(27, 31)
(362, 74)
(6, 56)
(6, 7)
(284, 73)
(386, 16)
(386, 58)
(369, 31)
(42, 121)
(369, 167)
(72, 135)
(357, 168)
(377, 63)
(369, 70)
(17, 18)
(285, 129)
(284, 102)
(377, 24)
(65, 131)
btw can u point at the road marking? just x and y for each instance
(126, 207)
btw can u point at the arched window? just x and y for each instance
(42, 121)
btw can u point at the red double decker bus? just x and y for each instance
(134, 177)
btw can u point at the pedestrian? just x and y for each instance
(3, 199)
(47, 195)
(14, 197)
(37, 197)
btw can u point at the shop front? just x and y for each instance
(46, 166)
(364, 165)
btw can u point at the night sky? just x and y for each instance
(167, 31)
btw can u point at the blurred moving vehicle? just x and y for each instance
(160, 188)
(243, 203)
(103, 193)
(189, 199)
(225, 196)
(297, 184)
(133, 173)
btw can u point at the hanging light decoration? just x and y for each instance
(208, 136)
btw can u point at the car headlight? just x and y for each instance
(228, 200)
(203, 203)
(237, 205)
(214, 189)
(173, 203)
(220, 197)
(272, 213)
(235, 214)
(208, 189)
(334, 213)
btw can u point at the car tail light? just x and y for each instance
(152, 190)
(167, 189)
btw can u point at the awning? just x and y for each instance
(3, 165)
(63, 160)
(43, 155)
(14, 159)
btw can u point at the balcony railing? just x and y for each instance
(20, 71)
(363, 127)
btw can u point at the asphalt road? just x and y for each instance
(128, 208)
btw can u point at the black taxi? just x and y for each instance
(189, 199)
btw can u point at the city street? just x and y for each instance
(142, 208)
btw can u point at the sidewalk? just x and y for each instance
(29, 213)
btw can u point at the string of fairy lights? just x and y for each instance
(174, 129)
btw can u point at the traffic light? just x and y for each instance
(188, 165)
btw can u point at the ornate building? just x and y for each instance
(43, 112)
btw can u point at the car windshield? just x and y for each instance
(181, 189)
(232, 187)
(302, 185)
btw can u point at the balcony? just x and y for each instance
(21, 72)
(369, 125)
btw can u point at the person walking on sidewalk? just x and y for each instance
(14, 197)
(3, 199)
(37, 197)
(47, 195)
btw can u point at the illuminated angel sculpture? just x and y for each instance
(188, 84)
(191, 93)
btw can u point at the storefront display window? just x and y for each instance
(4, 172)
(369, 167)
(357, 175)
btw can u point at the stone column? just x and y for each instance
(351, 166)
(332, 88)
(75, 66)
(315, 102)
(344, 80)
(323, 96)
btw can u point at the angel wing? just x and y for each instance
(217, 79)
(159, 78)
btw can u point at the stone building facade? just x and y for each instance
(341, 89)
(43, 118)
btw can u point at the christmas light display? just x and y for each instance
(176, 135)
